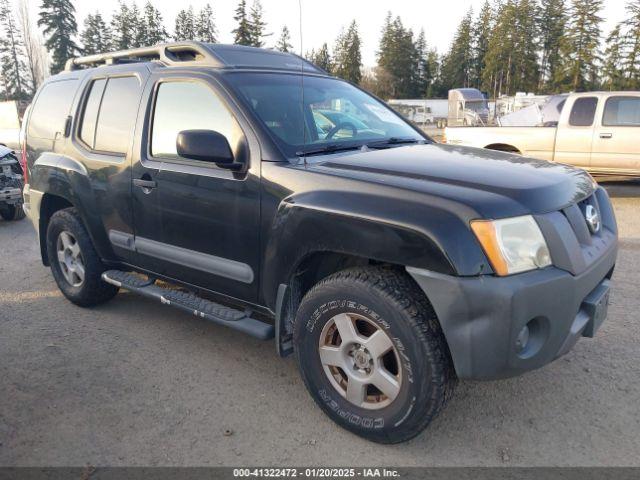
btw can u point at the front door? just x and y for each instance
(197, 222)
(573, 140)
(615, 139)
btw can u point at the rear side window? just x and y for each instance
(118, 112)
(110, 113)
(622, 112)
(184, 105)
(52, 108)
(583, 112)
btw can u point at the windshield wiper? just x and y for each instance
(393, 141)
(330, 148)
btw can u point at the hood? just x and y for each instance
(494, 184)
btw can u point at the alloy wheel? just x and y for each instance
(360, 361)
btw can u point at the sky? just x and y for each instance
(322, 20)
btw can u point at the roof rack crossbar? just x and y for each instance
(183, 53)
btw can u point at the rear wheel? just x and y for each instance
(372, 355)
(12, 212)
(75, 264)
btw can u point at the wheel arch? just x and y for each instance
(50, 204)
(503, 147)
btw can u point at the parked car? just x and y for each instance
(11, 183)
(597, 131)
(390, 265)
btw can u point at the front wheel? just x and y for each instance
(372, 354)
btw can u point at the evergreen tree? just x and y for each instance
(423, 74)
(122, 33)
(613, 71)
(257, 24)
(152, 26)
(322, 58)
(435, 87)
(400, 63)
(185, 25)
(481, 34)
(499, 60)
(579, 47)
(457, 66)
(243, 33)
(526, 71)
(57, 17)
(15, 76)
(284, 42)
(347, 55)
(205, 25)
(552, 22)
(136, 22)
(96, 36)
(631, 45)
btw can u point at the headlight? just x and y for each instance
(513, 245)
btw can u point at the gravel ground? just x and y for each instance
(136, 383)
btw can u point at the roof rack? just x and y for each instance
(189, 54)
(183, 53)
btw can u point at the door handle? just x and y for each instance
(606, 135)
(144, 183)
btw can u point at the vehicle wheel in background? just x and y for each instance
(372, 354)
(12, 212)
(75, 264)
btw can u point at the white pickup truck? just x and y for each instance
(598, 131)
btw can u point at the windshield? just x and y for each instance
(333, 114)
(476, 106)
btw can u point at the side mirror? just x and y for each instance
(205, 145)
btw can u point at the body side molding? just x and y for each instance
(222, 267)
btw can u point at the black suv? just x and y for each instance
(251, 189)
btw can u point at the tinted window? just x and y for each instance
(52, 108)
(584, 109)
(622, 112)
(90, 115)
(189, 106)
(117, 115)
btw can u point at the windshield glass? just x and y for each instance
(476, 106)
(333, 112)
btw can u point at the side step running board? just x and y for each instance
(191, 303)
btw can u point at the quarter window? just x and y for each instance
(189, 105)
(583, 112)
(51, 109)
(622, 112)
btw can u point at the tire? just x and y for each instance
(12, 212)
(418, 361)
(66, 226)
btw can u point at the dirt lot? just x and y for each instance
(136, 383)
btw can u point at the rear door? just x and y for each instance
(103, 138)
(575, 131)
(617, 135)
(209, 216)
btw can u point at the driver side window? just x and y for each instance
(189, 105)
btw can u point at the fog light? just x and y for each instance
(532, 337)
(522, 339)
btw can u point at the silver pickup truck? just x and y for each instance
(598, 131)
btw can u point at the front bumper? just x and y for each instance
(10, 195)
(482, 316)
